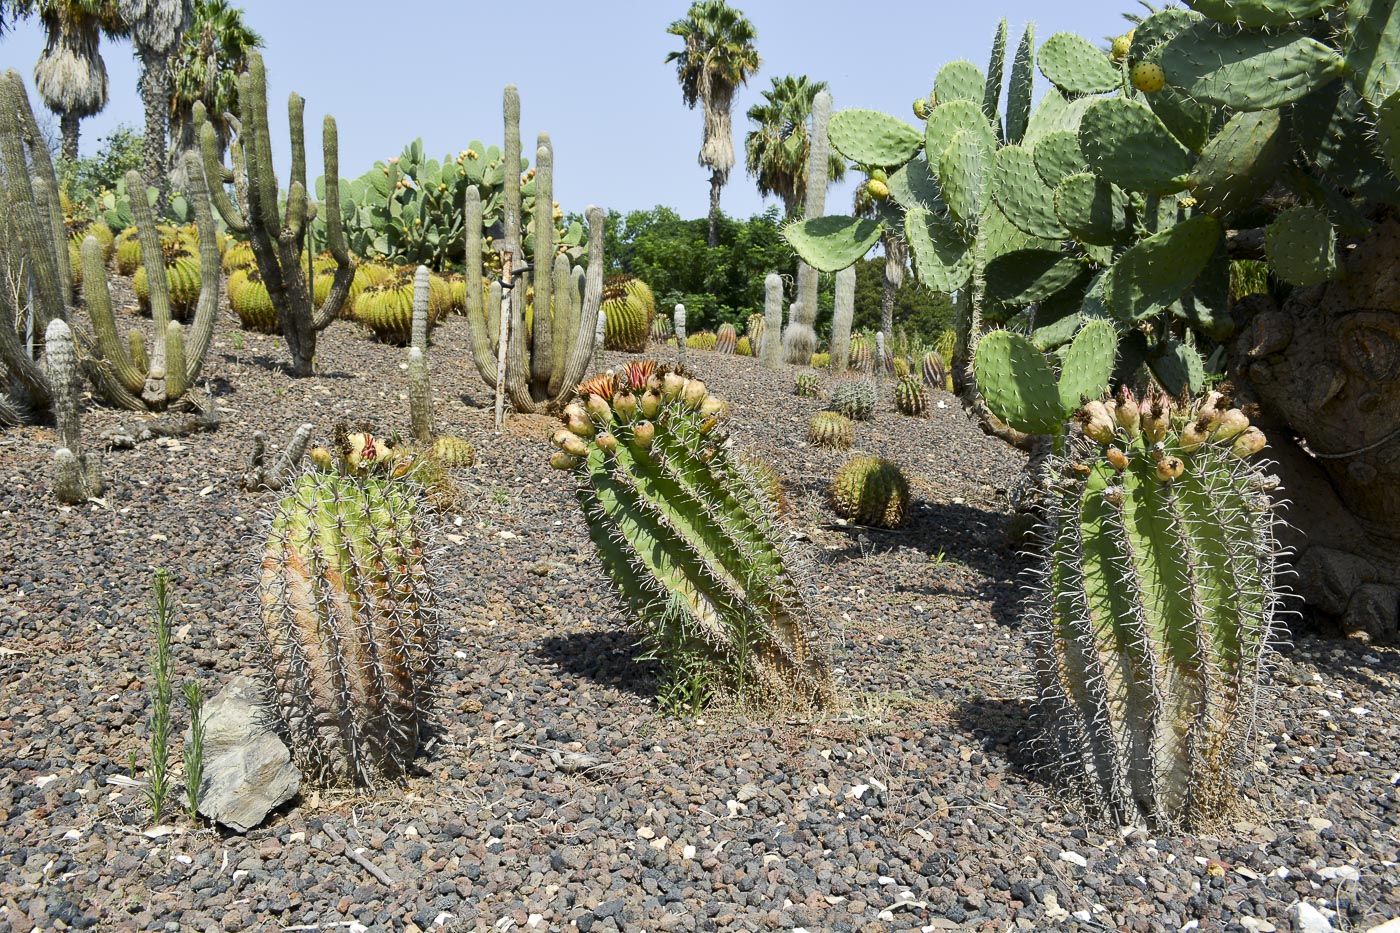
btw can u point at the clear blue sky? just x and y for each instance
(592, 74)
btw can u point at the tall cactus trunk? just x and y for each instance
(800, 339)
(841, 319)
(772, 344)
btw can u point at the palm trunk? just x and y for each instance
(68, 123)
(155, 96)
(716, 183)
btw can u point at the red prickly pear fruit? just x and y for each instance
(1127, 414)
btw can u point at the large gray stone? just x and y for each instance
(248, 770)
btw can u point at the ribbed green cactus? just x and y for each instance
(689, 539)
(861, 355)
(754, 329)
(387, 308)
(182, 283)
(726, 339)
(248, 297)
(453, 452)
(630, 308)
(1156, 608)
(239, 255)
(348, 617)
(831, 430)
(807, 385)
(275, 225)
(871, 491)
(855, 399)
(661, 329)
(910, 397)
(702, 340)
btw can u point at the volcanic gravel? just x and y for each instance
(915, 807)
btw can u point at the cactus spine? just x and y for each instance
(277, 233)
(772, 343)
(420, 391)
(77, 475)
(831, 430)
(690, 541)
(348, 617)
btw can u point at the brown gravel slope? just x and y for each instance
(913, 809)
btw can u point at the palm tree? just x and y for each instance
(776, 152)
(156, 28)
(70, 74)
(205, 69)
(718, 56)
(896, 257)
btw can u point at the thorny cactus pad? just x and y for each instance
(690, 540)
(348, 616)
(1156, 607)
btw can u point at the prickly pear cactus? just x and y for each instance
(831, 430)
(854, 399)
(689, 540)
(348, 616)
(871, 491)
(910, 397)
(807, 385)
(1156, 607)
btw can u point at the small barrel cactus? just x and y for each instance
(755, 328)
(1156, 606)
(248, 297)
(701, 340)
(862, 354)
(744, 347)
(726, 339)
(807, 385)
(935, 371)
(910, 397)
(831, 430)
(630, 308)
(820, 360)
(348, 616)
(128, 251)
(854, 399)
(239, 255)
(453, 452)
(182, 278)
(661, 329)
(387, 308)
(871, 491)
(690, 540)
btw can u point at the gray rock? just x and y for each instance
(247, 768)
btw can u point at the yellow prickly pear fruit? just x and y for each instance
(563, 461)
(1248, 443)
(1148, 77)
(1156, 414)
(1169, 468)
(1121, 46)
(921, 108)
(643, 432)
(714, 405)
(877, 189)
(1127, 415)
(1232, 424)
(577, 420)
(1116, 458)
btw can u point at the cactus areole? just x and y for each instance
(690, 538)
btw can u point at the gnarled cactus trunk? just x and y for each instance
(1326, 366)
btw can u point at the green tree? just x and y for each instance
(205, 69)
(777, 149)
(718, 56)
(117, 154)
(922, 313)
(156, 28)
(70, 75)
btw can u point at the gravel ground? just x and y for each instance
(914, 808)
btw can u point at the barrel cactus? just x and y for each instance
(248, 297)
(855, 399)
(387, 308)
(182, 278)
(453, 452)
(820, 360)
(348, 616)
(744, 347)
(239, 255)
(690, 541)
(862, 354)
(754, 329)
(831, 430)
(807, 385)
(935, 371)
(702, 340)
(128, 251)
(661, 329)
(1156, 607)
(630, 308)
(871, 491)
(910, 397)
(726, 339)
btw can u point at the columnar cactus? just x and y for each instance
(800, 338)
(910, 397)
(77, 475)
(689, 540)
(420, 390)
(263, 475)
(842, 314)
(871, 491)
(831, 430)
(807, 385)
(726, 339)
(754, 329)
(276, 226)
(771, 346)
(681, 343)
(348, 616)
(855, 399)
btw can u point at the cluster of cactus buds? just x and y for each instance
(686, 533)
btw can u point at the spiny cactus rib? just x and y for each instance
(1155, 609)
(831, 430)
(871, 491)
(688, 540)
(349, 622)
(910, 397)
(807, 385)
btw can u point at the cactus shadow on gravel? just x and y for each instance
(606, 657)
(1003, 726)
(964, 534)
